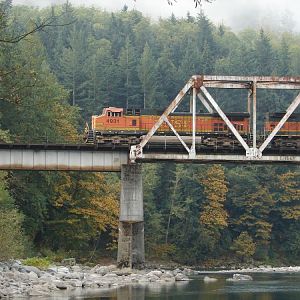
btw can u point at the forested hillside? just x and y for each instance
(52, 81)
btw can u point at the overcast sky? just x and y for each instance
(236, 14)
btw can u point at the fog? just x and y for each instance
(237, 14)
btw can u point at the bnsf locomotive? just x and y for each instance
(120, 126)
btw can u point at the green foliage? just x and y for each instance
(12, 239)
(39, 262)
(243, 246)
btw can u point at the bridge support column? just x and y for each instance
(131, 252)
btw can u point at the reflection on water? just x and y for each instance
(263, 287)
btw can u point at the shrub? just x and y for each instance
(12, 238)
(39, 262)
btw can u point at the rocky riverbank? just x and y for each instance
(260, 269)
(18, 280)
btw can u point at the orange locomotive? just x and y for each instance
(120, 126)
(288, 137)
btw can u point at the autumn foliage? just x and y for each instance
(213, 214)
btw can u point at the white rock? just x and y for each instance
(32, 269)
(90, 284)
(188, 271)
(152, 278)
(181, 277)
(32, 276)
(176, 271)
(240, 277)
(52, 269)
(60, 284)
(63, 270)
(155, 273)
(100, 270)
(76, 283)
(208, 279)
(112, 275)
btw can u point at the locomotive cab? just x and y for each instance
(115, 120)
(110, 116)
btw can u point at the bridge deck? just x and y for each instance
(61, 157)
(110, 158)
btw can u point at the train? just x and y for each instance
(119, 126)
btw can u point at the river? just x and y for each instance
(263, 287)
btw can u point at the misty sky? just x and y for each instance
(237, 14)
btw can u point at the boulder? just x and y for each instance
(38, 290)
(63, 270)
(76, 269)
(33, 269)
(90, 284)
(32, 276)
(208, 279)
(124, 271)
(155, 273)
(240, 277)
(176, 271)
(101, 270)
(167, 276)
(76, 283)
(188, 272)
(153, 278)
(181, 277)
(60, 284)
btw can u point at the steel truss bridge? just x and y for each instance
(198, 85)
(115, 158)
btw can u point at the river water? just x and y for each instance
(263, 287)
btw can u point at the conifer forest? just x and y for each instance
(62, 64)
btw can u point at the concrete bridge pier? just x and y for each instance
(131, 251)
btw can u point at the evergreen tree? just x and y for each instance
(147, 74)
(72, 66)
(128, 80)
(264, 55)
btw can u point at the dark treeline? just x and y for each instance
(54, 80)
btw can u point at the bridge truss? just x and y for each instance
(197, 86)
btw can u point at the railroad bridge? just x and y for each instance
(128, 160)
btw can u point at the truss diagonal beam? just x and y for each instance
(171, 108)
(177, 135)
(205, 103)
(224, 117)
(289, 111)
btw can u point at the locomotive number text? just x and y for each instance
(114, 121)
